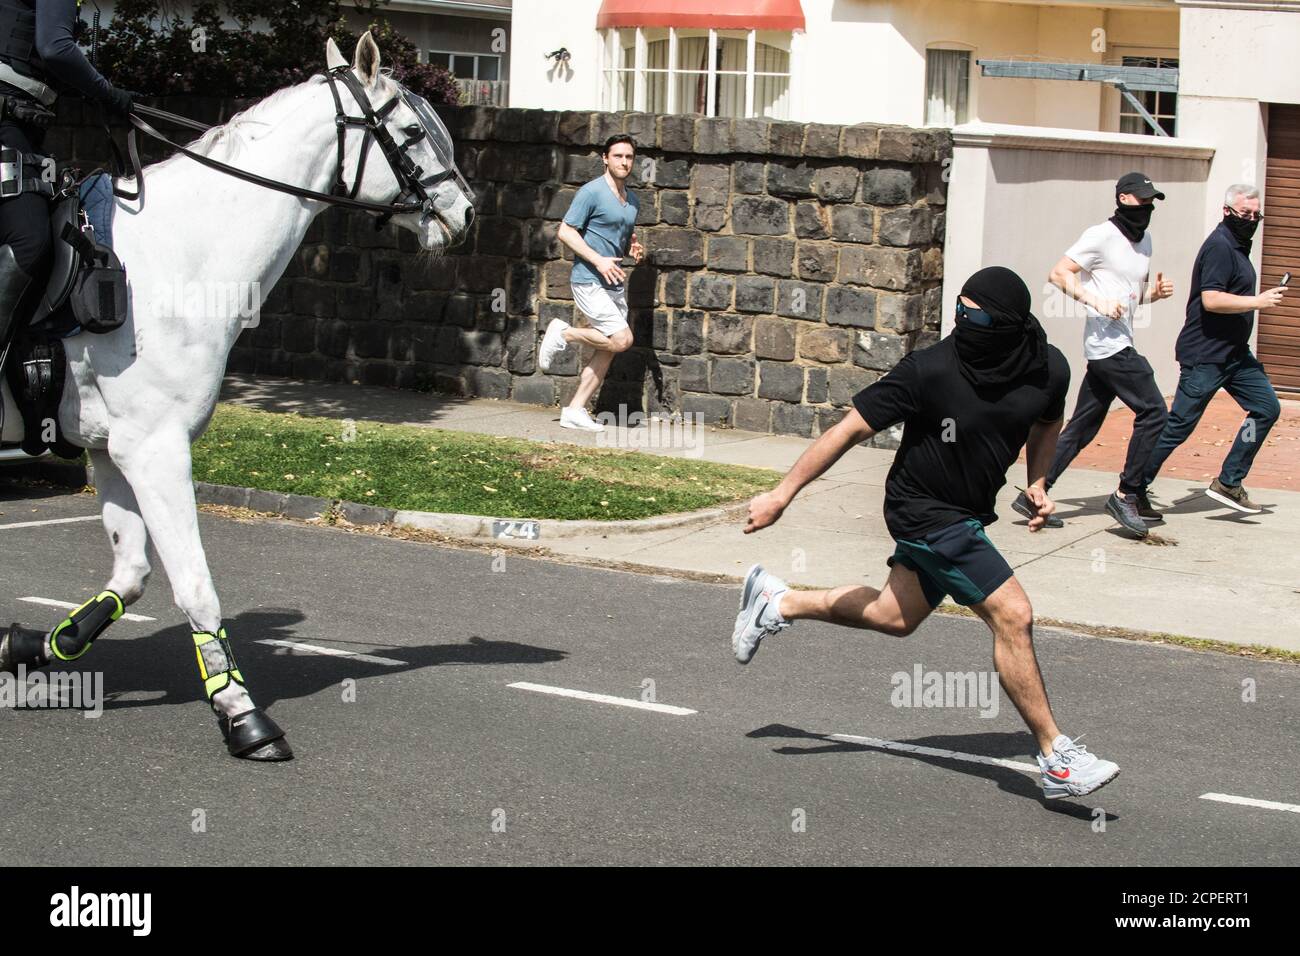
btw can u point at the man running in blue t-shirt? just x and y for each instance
(599, 229)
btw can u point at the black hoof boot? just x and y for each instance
(253, 735)
(21, 645)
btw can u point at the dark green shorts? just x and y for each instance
(959, 560)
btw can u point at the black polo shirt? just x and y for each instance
(1211, 337)
(958, 441)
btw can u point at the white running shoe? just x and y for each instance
(1073, 772)
(760, 600)
(552, 344)
(578, 418)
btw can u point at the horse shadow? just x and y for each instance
(1008, 745)
(162, 665)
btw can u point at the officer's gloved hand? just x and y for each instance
(121, 102)
(27, 112)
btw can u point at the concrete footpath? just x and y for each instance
(1207, 572)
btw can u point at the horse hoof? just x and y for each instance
(275, 750)
(253, 735)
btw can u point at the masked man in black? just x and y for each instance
(1213, 350)
(38, 52)
(968, 405)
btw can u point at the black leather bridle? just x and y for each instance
(414, 188)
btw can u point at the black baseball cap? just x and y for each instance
(1137, 184)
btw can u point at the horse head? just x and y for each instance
(421, 170)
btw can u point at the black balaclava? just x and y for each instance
(1133, 220)
(1242, 229)
(1014, 346)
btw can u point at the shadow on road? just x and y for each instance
(1009, 745)
(162, 665)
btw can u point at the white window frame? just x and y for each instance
(611, 56)
(1119, 52)
(475, 54)
(971, 86)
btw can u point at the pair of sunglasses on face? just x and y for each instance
(978, 316)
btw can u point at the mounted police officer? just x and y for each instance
(38, 51)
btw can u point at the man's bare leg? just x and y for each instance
(1010, 617)
(896, 610)
(591, 377)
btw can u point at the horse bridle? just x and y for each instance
(408, 174)
(399, 160)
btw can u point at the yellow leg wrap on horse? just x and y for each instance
(216, 661)
(78, 630)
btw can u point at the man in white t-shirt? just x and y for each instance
(1108, 272)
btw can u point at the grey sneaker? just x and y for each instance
(1233, 497)
(1073, 772)
(1022, 505)
(1148, 513)
(1123, 508)
(759, 600)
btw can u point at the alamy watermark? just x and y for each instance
(633, 430)
(923, 688)
(49, 690)
(210, 300)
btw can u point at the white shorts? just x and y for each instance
(605, 309)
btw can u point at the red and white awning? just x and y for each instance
(718, 14)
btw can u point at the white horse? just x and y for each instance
(139, 396)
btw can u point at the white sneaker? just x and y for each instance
(578, 418)
(759, 599)
(552, 344)
(1073, 772)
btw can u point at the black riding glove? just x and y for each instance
(120, 102)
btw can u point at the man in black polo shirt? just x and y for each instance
(968, 405)
(1213, 350)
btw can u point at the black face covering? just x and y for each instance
(1014, 346)
(1133, 220)
(1243, 229)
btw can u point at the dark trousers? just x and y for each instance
(1246, 381)
(1128, 376)
(25, 218)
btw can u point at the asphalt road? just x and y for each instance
(438, 760)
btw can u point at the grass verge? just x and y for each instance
(427, 469)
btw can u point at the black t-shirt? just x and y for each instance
(1213, 337)
(958, 441)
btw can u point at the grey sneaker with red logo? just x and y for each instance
(1073, 772)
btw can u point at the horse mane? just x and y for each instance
(224, 141)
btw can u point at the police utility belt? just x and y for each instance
(22, 172)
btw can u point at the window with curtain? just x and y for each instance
(686, 87)
(947, 87)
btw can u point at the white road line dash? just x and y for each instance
(935, 752)
(50, 602)
(331, 652)
(37, 524)
(1251, 802)
(603, 698)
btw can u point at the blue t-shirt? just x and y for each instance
(606, 225)
(1213, 337)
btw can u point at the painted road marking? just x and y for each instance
(50, 602)
(603, 698)
(935, 752)
(1251, 802)
(331, 652)
(37, 524)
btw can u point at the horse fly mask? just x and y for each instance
(415, 186)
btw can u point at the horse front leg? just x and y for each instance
(74, 635)
(156, 465)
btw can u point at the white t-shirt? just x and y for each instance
(1113, 268)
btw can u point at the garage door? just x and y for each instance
(1279, 329)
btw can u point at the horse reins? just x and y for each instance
(403, 167)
